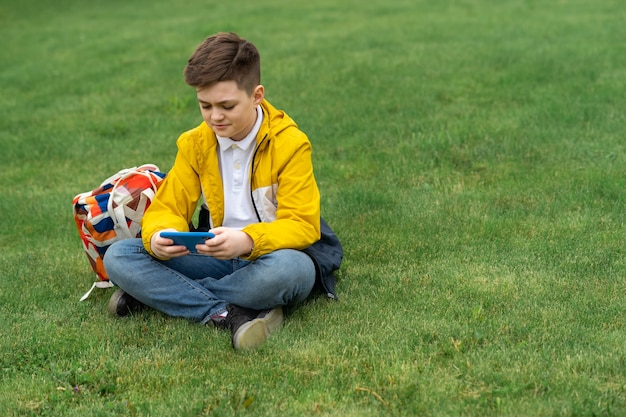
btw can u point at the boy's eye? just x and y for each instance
(225, 107)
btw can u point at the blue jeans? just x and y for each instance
(197, 286)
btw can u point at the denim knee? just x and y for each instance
(121, 257)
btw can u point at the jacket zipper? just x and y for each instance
(252, 170)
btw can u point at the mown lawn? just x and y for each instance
(471, 156)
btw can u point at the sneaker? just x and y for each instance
(250, 328)
(122, 304)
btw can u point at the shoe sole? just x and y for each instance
(114, 305)
(255, 332)
(113, 301)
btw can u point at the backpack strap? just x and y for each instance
(97, 284)
(119, 214)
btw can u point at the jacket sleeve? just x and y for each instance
(177, 198)
(297, 218)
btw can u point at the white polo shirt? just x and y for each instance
(235, 158)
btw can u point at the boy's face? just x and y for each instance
(229, 111)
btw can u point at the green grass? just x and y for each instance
(471, 157)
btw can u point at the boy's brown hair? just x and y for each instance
(224, 57)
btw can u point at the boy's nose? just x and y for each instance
(216, 115)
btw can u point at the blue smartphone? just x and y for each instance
(188, 239)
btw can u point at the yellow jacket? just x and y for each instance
(284, 191)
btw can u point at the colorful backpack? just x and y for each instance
(113, 212)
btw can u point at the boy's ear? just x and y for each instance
(258, 94)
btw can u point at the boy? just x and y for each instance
(252, 166)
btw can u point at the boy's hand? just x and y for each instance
(227, 244)
(164, 248)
